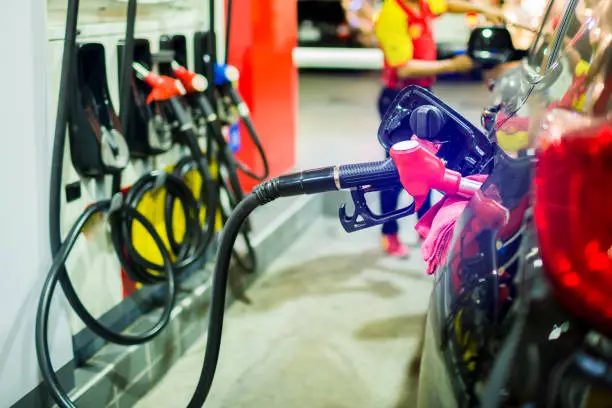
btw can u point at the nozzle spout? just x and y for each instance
(141, 71)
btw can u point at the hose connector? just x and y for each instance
(267, 191)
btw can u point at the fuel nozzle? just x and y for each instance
(420, 170)
(192, 82)
(225, 74)
(163, 87)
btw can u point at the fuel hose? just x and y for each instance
(241, 106)
(224, 154)
(227, 178)
(55, 192)
(125, 76)
(307, 182)
(57, 273)
(246, 262)
(191, 250)
(230, 91)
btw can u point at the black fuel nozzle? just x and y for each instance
(359, 178)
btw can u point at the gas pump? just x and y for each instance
(152, 120)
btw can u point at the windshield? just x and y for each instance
(568, 70)
(543, 47)
(524, 17)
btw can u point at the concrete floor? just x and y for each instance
(333, 323)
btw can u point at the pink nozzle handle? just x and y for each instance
(420, 170)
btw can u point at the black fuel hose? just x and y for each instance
(58, 273)
(191, 250)
(217, 302)
(136, 266)
(188, 137)
(243, 111)
(231, 183)
(228, 28)
(181, 169)
(125, 77)
(224, 154)
(248, 261)
(306, 182)
(227, 165)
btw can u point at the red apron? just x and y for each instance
(424, 46)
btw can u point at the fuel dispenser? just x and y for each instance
(153, 119)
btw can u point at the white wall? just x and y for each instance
(25, 159)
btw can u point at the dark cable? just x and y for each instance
(217, 302)
(125, 77)
(57, 161)
(61, 120)
(290, 185)
(189, 138)
(58, 272)
(224, 153)
(239, 103)
(126, 64)
(228, 29)
(135, 265)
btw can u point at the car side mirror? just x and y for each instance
(491, 46)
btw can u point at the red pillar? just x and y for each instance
(264, 34)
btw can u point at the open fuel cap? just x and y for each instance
(426, 121)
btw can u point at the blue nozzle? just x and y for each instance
(225, 74)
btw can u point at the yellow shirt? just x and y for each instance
(403, 35)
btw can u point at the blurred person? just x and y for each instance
(361, 15)
(404, 32)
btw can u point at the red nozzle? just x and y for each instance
(420, 170)
(192, 82)
(162, 87)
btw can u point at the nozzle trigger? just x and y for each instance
(363, 217)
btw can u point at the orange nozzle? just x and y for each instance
(162, 87)
(192, 82)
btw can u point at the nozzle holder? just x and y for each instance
(97, 145)
(177, 45)
(204, 56)
(148, 132)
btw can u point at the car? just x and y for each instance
(521, 312)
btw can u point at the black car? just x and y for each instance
(521, 313)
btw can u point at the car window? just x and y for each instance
(574, 60)
(560, 77)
